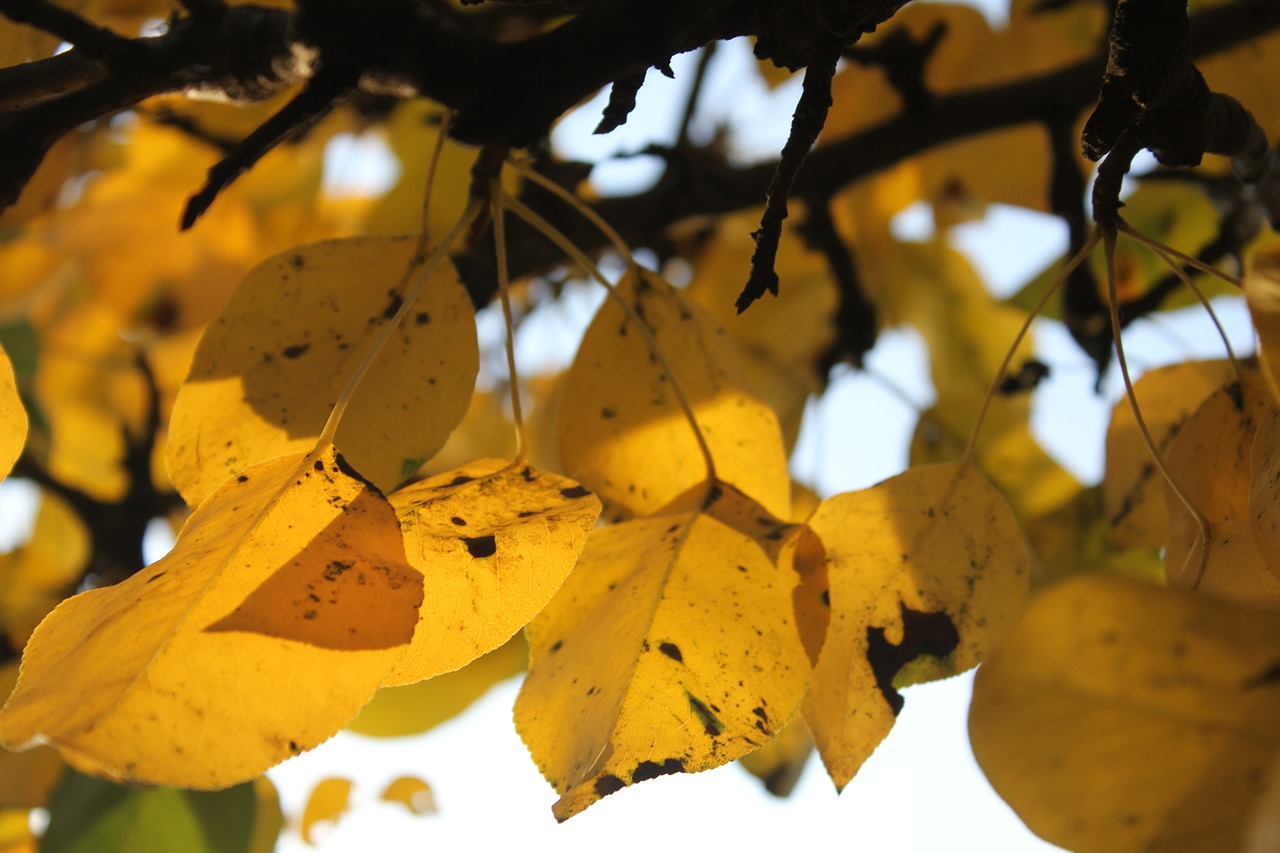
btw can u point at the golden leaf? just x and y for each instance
(1132, 484)
(624, 435)
(281, 608)
(269, 369)
(329, 800)
(1209, 460)
(494, 542)
(927, 572)
(1124, 717)
(414, 708)
(1262, 294)
(412, 793)
(1264, 488)
(13, 418)
(672, 648)
(43, 571)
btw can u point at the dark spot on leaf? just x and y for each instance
(319, 466)
(922, 634)
(335, 569)
(672, 651)
(481, 546)
(461, 522)
(298, 262)
(392, 306)
(1270, 675)
(243, 478)
(156, 577)
(528, 474)
(422, 318)
(293, 744)
(295, 350)
(459, 480)
(606, 412)
(556, 646)
(710, 722)
(345, 467)
(826, 598)
(608, 784)
(1236, 392)
(575, 492)
(1026, 379)
(309, 614)
(652, 770)
(525, 513)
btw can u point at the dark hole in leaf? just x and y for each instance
(672, 651)
(922, 634)
(575, 492)
(652, 769)
(481, 546)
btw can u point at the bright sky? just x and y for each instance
(921, 791)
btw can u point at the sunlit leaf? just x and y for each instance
(329, 800)
(13, 417)
(284, 604)
(26, 778)
(1235, 569)
(622, 431)
(671, 648)
(88, 815)
(1132, 484)
(1121, 716)
(269, 369)
(414, 708)
(927, 571)
(412, 793)
(1077, 537)
(493, 542)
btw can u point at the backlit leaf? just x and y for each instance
(780, 762)
(1209, 460)
(329, 800)
(1262, 294)
(622, 431)
(671, 648)
(927, 572)
(412, 793)
(1123, 717)
(89, 815)
(1132, 484)
(13, 418)
(414, 708)
(494, 543)
(283, 605)
(1235, 569)
(1264, 488)
(26, 778)
(270, 367)
(42, 572)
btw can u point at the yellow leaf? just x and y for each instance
(15, 832)
(1132, 484)
(622, 431)
(1209, 460)
(1262, 294)
(414, 708)
(329, 800)
(34, 578)
(268, 370)
(281, 608)
(494, 543)
(13, 417)
(1120, 716)
(672, 648)
(927, 570)
(1264, 488)
(412, 793)
(1076, 538)
(1235, 569)
(780, 762)
(26, 778)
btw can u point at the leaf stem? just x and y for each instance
(619, 245)
(1202, 524)
(1162, 250)
(579, 257)
(497, 213)
(1075, 261)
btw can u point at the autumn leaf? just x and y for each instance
(270, 367)
(927, 571)
(329, 800)
(493, 541)
(412, 793)
(40, 573)
(281, 608)
(410, 709)
(1131, 482)
(1262, 294)
(622, 431)
(1151, 712)
(1210, 462)
(652, 658)
(1264, 489)
(13, 417)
